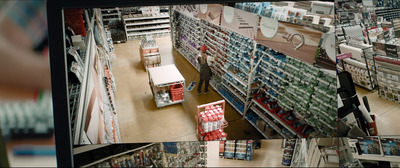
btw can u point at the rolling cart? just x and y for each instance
(167, 85)
(217, 131)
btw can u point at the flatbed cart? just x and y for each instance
(167, 85)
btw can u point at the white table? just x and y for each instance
(164, 76)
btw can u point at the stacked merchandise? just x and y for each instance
(138, 25)
(237, 67)
(360, 65)
(288, 152)
(239, 149)
(96, 67)
(241, 66)
(74, 20)
(211, 121)
(308, 85)
(271, 70)
(187, 36)
(167, 154)
(149, 54)
(297, 15)
(152, 155)
(110, 44)
(388, 70)
(229, 151)
(28, 118)
(185, 154)
(110, 14)
(216, 39)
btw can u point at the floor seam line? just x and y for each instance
(387, 111)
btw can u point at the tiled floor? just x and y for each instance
(269, 155)
(387, 112)
(139, 118)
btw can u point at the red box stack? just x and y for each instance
(176, 91)
(74, 19)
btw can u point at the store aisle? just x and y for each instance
(137, 111)
(269, 155)
(386, 112)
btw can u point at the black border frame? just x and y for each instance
(62, 127)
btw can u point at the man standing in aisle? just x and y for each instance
(205, 71)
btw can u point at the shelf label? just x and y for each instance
(343, 56)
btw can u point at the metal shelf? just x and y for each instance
(233, 92)
(258, 129)
(148, 28)
(240, 112)
(237, 87)
(110, 14)
(119, 154)
(152, 32)
(235, 77)
(376, 158)
(181, 52)
(143, 18)
(110, 19)
(278, 119)
(270, 122)
(145, 23)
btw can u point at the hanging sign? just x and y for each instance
(211, 13)
(242, 22)
(294, 40)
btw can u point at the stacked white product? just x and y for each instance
(212, 122)
(185, 154)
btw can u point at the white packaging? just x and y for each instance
(77, 41)
(215, 126)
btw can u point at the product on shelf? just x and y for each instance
(187, 36)
(388, 77)
(149, 52)
(288, 152)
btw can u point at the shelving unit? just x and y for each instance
(361, 65)
(110, 14)
(186, 36)
(276, 118)
(81, 92)
(388, 76)
(137, 25)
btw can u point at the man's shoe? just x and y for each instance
(198, 93)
